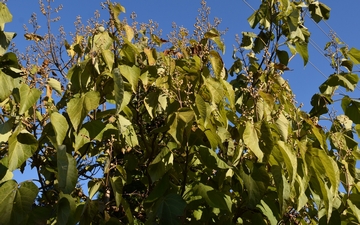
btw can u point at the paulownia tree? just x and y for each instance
(161, 132)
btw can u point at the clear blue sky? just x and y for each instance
(234, 13)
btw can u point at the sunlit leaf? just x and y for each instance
(67, 171)
(127, 131)
(5, 15)
(131, 74)
(251, 140)
(93, 187)
(28, 97)
(150, 56)
(255, 179)
(118, 89)
(217, 64)
(6, 130)
(90, 131)
(302, 49)
(108, 57)
(60, 125)
(354, 55)
(214, 35)
(129, 32)
(117, 186)
(22, 145)
(268, 212)
(25, 197)
(162, 163)
(213, 197)
(80, 105)
(55, 84)
(7, 197)
(210, 159)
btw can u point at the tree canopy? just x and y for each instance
(161, 132)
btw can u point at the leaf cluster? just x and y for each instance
(167, 135)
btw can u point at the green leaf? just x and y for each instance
(129, 52)
(348, 64)
(80, 105)
(5, 174)
(159, 189)
(127, 131)
(210, 159)
(132, 75)
(117, 188)
(251, 140)
(80, 75)
(5, 15)
(357, 128)
(118, 89)
(325, 168)
(88, 211)
(354, 209)
(319, 103)
(5, 39)
(325, 11)
(283, 125)
(28, 97)
(55, 84)
(169, 208)
(229, 93)
(319, 11)
(354, 55)
(346, 80)
(282, 184)
(90, 131)
(66, 209)
(216, 88)
(214, 35)
(127, 210)
(247, 40)
(290, 160)
(16, 201)
(201, 107)
(351, 109)
(217, 64)
(108, 57)
(115, 10)
(22, 145)
(256, 180)
(7, 84)
(214, 198)
(151, 56)
(60, 126)
(23, 203)
(7, 197)
(162, 163)
(176, 128)
(101, 41)
(67, 171)
(302, 49)
(266, 210)
(151, 102)
(283, 57)
(6, 130)
(94, 186)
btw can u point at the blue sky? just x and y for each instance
(234, 14)
(304, 81)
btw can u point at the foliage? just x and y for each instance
(165, 136)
